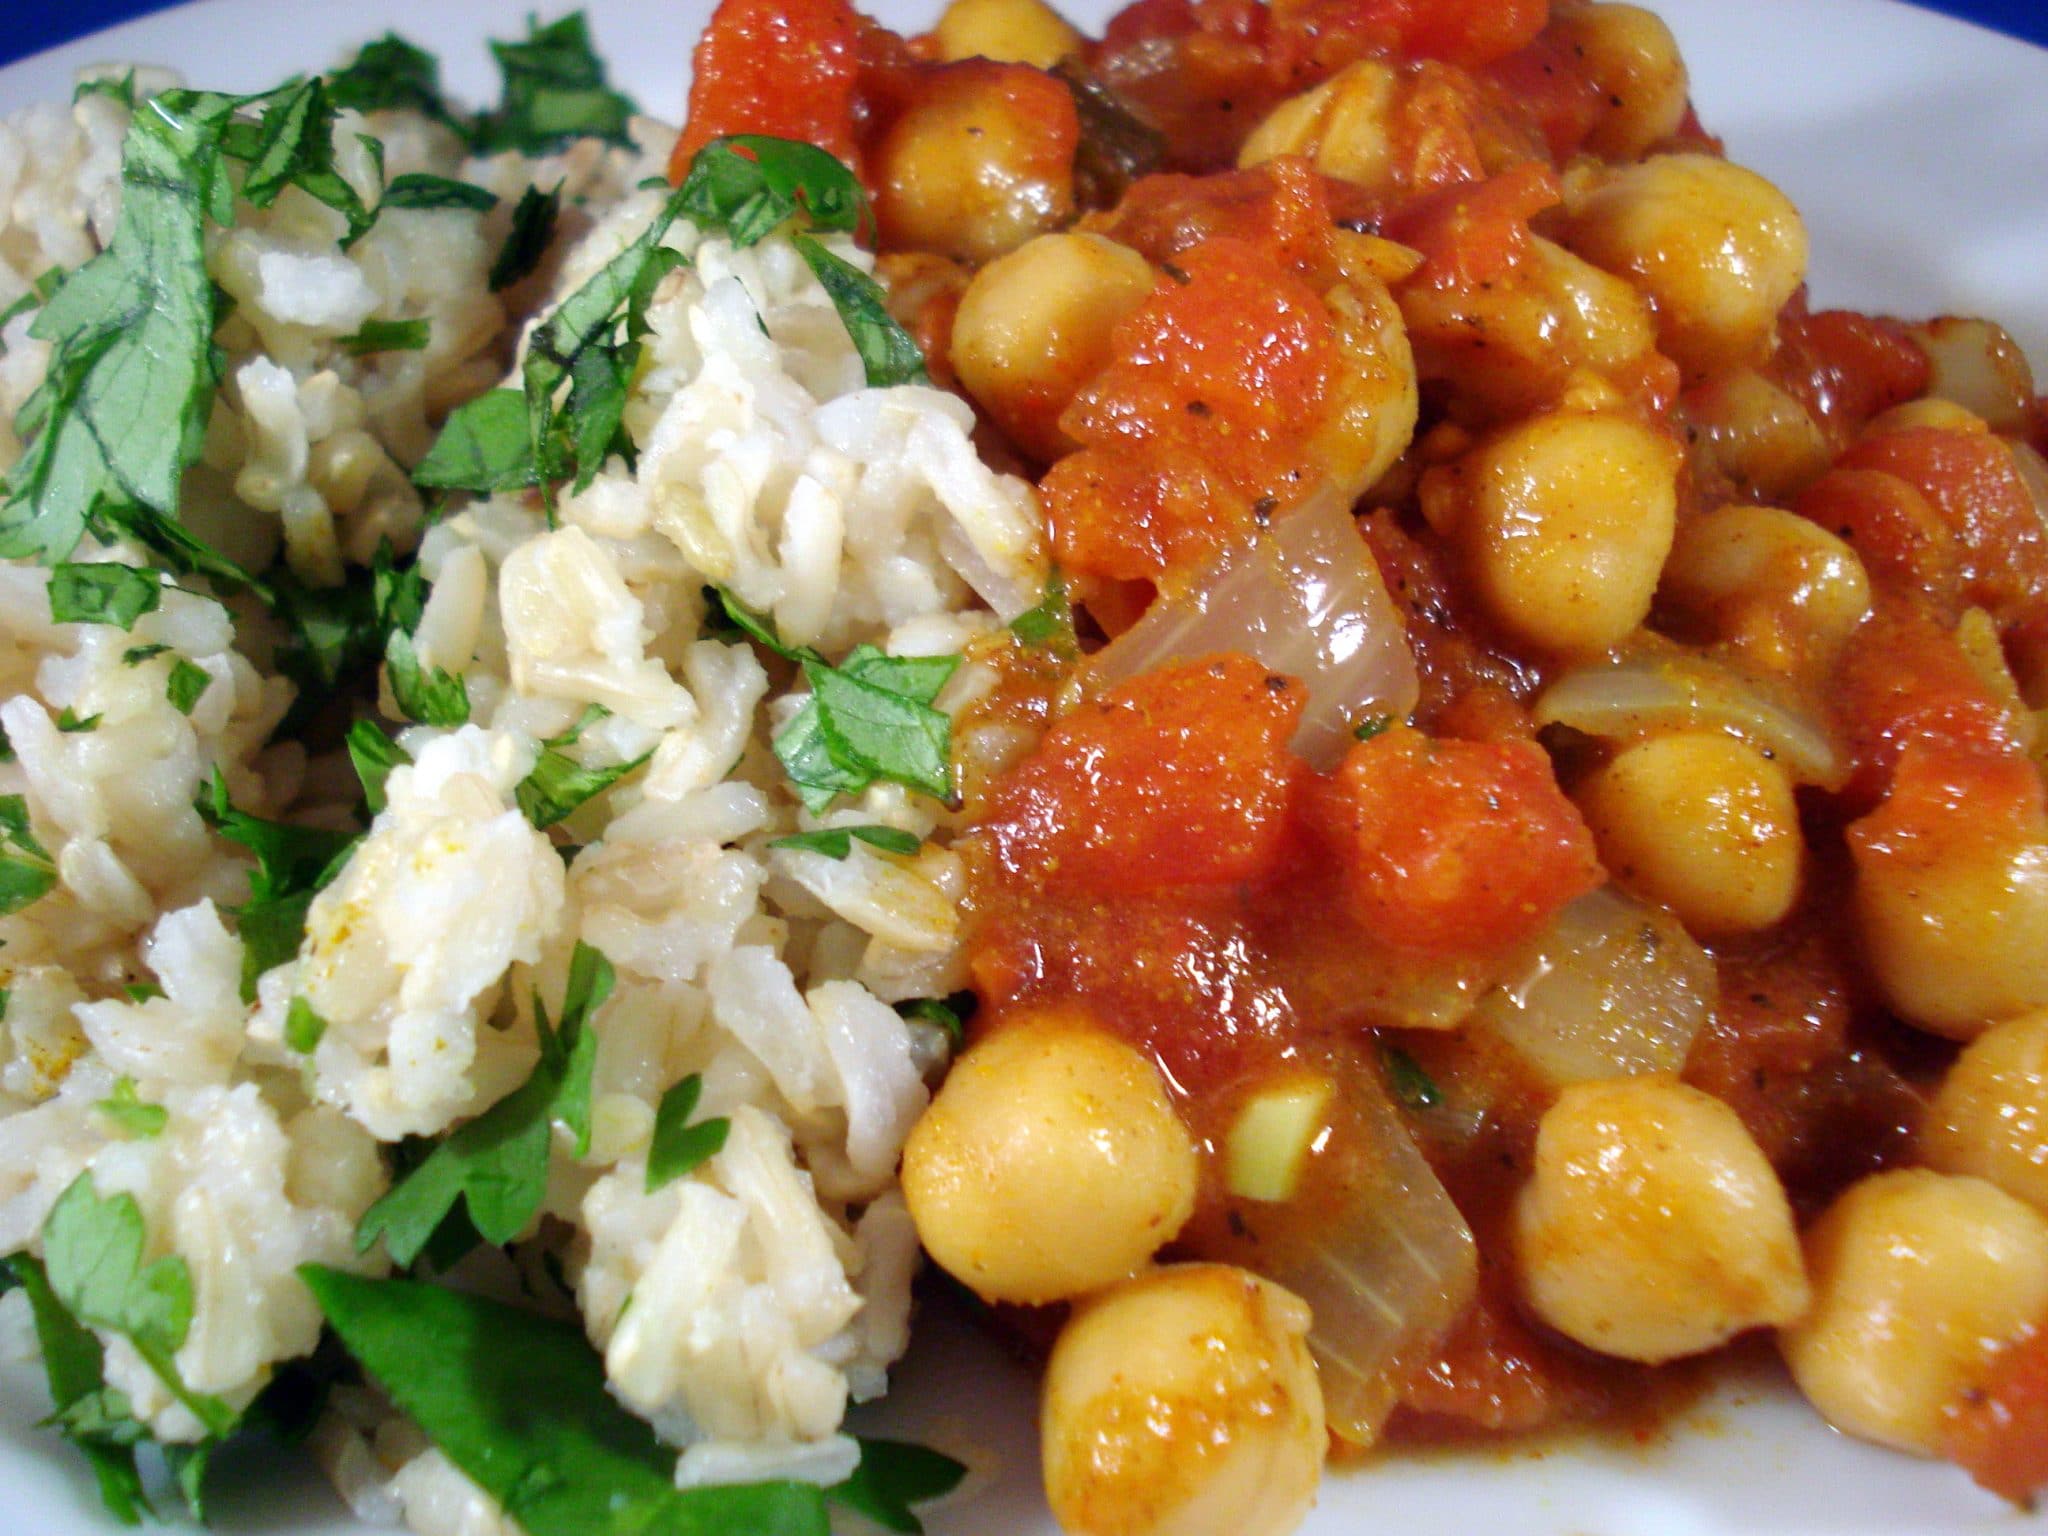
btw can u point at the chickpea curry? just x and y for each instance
(1514, 851)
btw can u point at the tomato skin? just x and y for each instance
(1846, 367)
(785, 68)
(1999, 1434)
(1454, 847)
(1946, 797)
(1904, 543)
(1281, 207)
(1181, 777)
(1474, 233)
(1904, 680)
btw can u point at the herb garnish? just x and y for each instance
(680, 1145)
(103, 592)
(27, 872)
(558, 784)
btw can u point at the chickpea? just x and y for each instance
(1716, 248)
(1050, 1164)
(980, 162)
(1918, 1280)
(1565, 521)
(1653, 1226)
(1703, 823)
(1761, 440)
(1633, 58)
(1990, 1118)
(1940, 415)
(1009, 31)
(1952, 894)
(1372, 416)
(1778, 584)
(1343, 127)
(1033, 326)
(1184, 1403)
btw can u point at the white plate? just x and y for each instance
(1915, 146)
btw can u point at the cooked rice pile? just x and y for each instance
(771, 1286)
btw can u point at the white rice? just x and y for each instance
(770, 1288)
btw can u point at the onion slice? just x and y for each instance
(1392, 1266)
(1306, 601)
(1648, 693)
(1615, 987)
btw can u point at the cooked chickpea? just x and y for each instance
(1184, 1403)
(1952, 911)
(1653, 1226)
(1631, 56)
(1918, 1280)
(1344, 127)
(1372, 415)
(1034, 325)
(1716, 248)
(1703, 823)
(1010, 31)
(1940, 415)
(1759, 437)
(1990, 1118)
(1565, 521)
(1778, 584)
(980, 162)
(1051, 1163)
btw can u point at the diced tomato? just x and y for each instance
(1903, 542)
(1281, 207)
(1999, 1433)
(1454, 847)
(785, 68)
(1845, 367)
(1548, 82)
(1331, 33)
(1948, 796)
(1971, 480)
(1473, 234)
(1181, 777)
(1905, 680)
(1131, 517)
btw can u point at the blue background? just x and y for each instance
(42, 23)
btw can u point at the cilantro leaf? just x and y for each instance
(87, 1410)
(72, 723)
(303, 1028)
(136, 655)
(391, 74)
(127, 1110)
(418, 190)
(749, 185)
(888, 353)
(533, 226)
(497, 1164)
(1371, 726)
(292, 145)
(374, 755)
(429, 695)
(130, 381)
(93, 1252)
(758, 629)
(118, 88)
(678, 1145)
(518, 1403)
(555, 89)
(388, 336)
(486, 445)
(892, 1476)
(1414, 1087)
(559, 785)
(27, 872)
(1050, 624)
(870, 718)
(949, 1014)
(837, 842)
(331, 633)
(36, 297)
(186, 685)
(103, 592)
(293, 864)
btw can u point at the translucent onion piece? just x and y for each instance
(1978, 366)
(1393, 1267)
(1616, 987)
(1647, 693)
(1306, 601)
(2033, 471)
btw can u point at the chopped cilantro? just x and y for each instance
(293, 864)
(103, 592)
(554, 90)
(391, 74)
(837, 842)
(128, 1112)
(186, 685)
(117, 88)
(486, 445)
(1411, 1085)
(678, 1144)
(558, 784)
(870, 718)
(750, 185)
(141, 991)
(292, 145)
(1049, 625)
(430, 695)
(374, 755)
(72, 723)
(888, 353)
(388, 336)
(1371, 726)
(892, 1476)
(27, 872)
(420, 191)
(93, 1251)
(135, 656)
(497, 1164)
(303, 1028)
(533, 226)
(950, 1014)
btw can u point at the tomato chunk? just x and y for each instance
(1454, 847)
(1474, 233)
(785, 68)
(1180, 777)
(1999, 1434)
